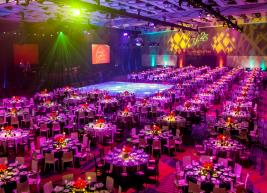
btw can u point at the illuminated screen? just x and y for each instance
(26, 53)
(100, 54)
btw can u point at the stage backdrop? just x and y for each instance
(226, 43)
(26, 53)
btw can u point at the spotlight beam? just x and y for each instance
(99, 7)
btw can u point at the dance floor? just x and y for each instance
(139, 89)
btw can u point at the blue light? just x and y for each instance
(139, 89)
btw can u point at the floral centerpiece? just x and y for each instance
(237, 109)
(80, 184)
(100, 121)
(171, 116)
(53, 115)
(126, 110)
(107, 97)
(229, 121)
(61, 141)
(84, 106)
(126, 150)
(8, 129)
(44, 91)
(126, 93)
(144, 101)
(13, 110)
(159, 94)
(16, 98)
(67, 88)
(222, 140)
(208, 166)
(3, 168)
(187, 104)
(48, 102)
(155, 130)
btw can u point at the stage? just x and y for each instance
(139, 89)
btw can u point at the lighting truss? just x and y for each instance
(215, 13)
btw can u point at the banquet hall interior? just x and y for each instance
(133, 96)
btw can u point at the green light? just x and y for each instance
(76, 12)
(263, 64)
(165, 59)
(251, 62)
(61, 33)
(153, 60)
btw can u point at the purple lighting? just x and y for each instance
(125, 34)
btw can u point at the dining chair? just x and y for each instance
(219, 190)
(186, 161)
(204, 158)
(170, 145)
(44, 129)
(23, 187)
(237, 171)
(26, 120)
(110, 184)
(14, 121)
(74, 135)
(20, 160)
(156, 146)
(41, 141)
(223, 161)
(35, 179)
(3, 160)
(81, 117)
(85, 141)
(67, 158)
(194, 188)
(91, 176)
(3, 121)
(56, 128)
(48, 187)
(50, 160)
(67, 178)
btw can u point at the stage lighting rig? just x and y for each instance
(215, 12)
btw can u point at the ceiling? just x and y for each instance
(240, 11)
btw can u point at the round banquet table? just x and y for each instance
(44, 95)
(84, 108)
(52, 146)
(15, 173)
(161, 100)
(136, 158)
(219, 176)
(15, 101)
(149, 136)
(172, 120)
(75, 99)
(16, 136)
(230, 148)
(100, 130)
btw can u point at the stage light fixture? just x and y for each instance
(76, 12)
